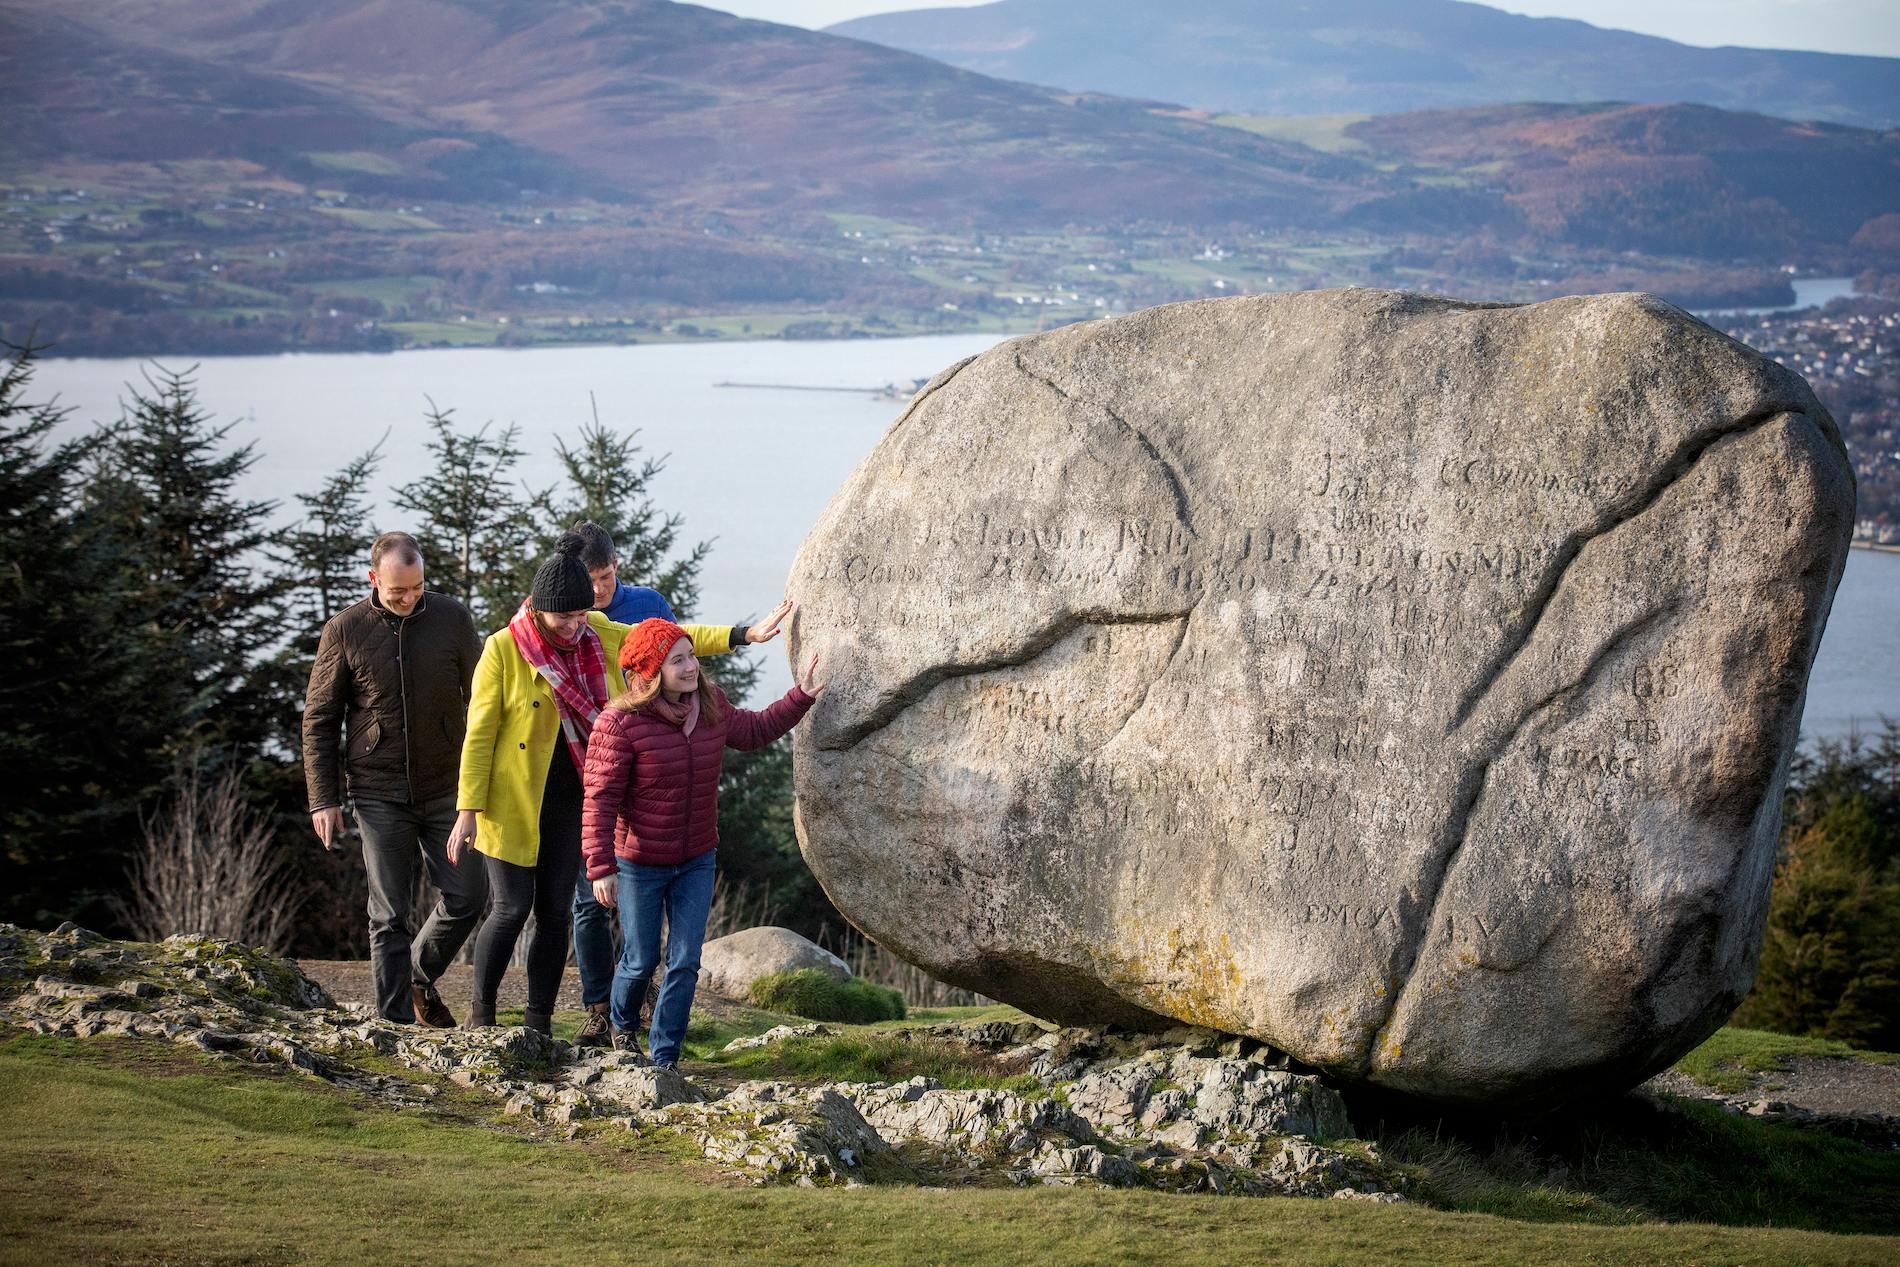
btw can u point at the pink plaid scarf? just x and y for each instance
(578, 675)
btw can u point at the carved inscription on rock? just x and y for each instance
(1366, 673)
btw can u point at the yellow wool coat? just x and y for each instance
(513, 726)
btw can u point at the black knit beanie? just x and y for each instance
(561, 584)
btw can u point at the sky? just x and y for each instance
(1828, 26)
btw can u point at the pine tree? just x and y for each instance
(1830, 964)
(325, 555)
(478, 528)
(608, 482)
(66, 671)
(189, 551)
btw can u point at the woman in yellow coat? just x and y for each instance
(538, 687)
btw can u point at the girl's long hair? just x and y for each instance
(642, 691)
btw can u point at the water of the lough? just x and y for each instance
(749, 468)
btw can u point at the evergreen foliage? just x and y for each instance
(72, 772)
(758, 849)
(1830, 967)
(187, 548)
(325, 555)
(476, 523)
(134, 535)
(607, 482)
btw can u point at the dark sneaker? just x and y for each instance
(596, 1030)
(430, 1009)
(629, 1042)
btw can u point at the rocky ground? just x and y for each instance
(1186, 1112)
(1854, 1098)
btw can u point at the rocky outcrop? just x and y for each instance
(1406, 683)
(729, 965)
(1177, 1117)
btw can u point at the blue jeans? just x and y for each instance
(682, 895)
(593, 943)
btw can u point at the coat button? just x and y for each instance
(521, 745)
(537, 703)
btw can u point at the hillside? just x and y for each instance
(1677, 179)
(1373, 57)
(241, 175)
(685, 108)
(75, 94)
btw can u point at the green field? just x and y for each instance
(1323, 132)
(380, 221)
(389, 290)
(355, 161)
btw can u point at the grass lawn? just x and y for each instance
(1731, 1058)
(451, 333)
(123, 1152)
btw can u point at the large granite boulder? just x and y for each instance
(1407, 683)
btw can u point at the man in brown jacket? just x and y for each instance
(386, 711)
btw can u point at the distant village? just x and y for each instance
(1849, 352)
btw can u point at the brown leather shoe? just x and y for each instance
(431, 1011)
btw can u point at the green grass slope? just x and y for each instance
(121, 1152)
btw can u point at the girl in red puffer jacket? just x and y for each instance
(650, 818)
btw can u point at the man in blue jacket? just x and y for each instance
(593, 928)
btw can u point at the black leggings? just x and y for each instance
(545, 890)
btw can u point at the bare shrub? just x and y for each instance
(208, 863)
(738, 906)
(869, 961)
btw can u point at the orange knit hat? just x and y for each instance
(645, 649)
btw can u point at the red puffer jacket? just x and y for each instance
(651, 793)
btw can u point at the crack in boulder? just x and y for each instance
(913, 691)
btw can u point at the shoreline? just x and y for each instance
(1009, 326)
(1006, 331)
(1875, 547)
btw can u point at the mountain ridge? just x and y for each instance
(685, 106)
(235, 171)
(1374, 56)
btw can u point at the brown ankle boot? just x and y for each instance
(596, 1030)
(480, 1015)
(431, 1011)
